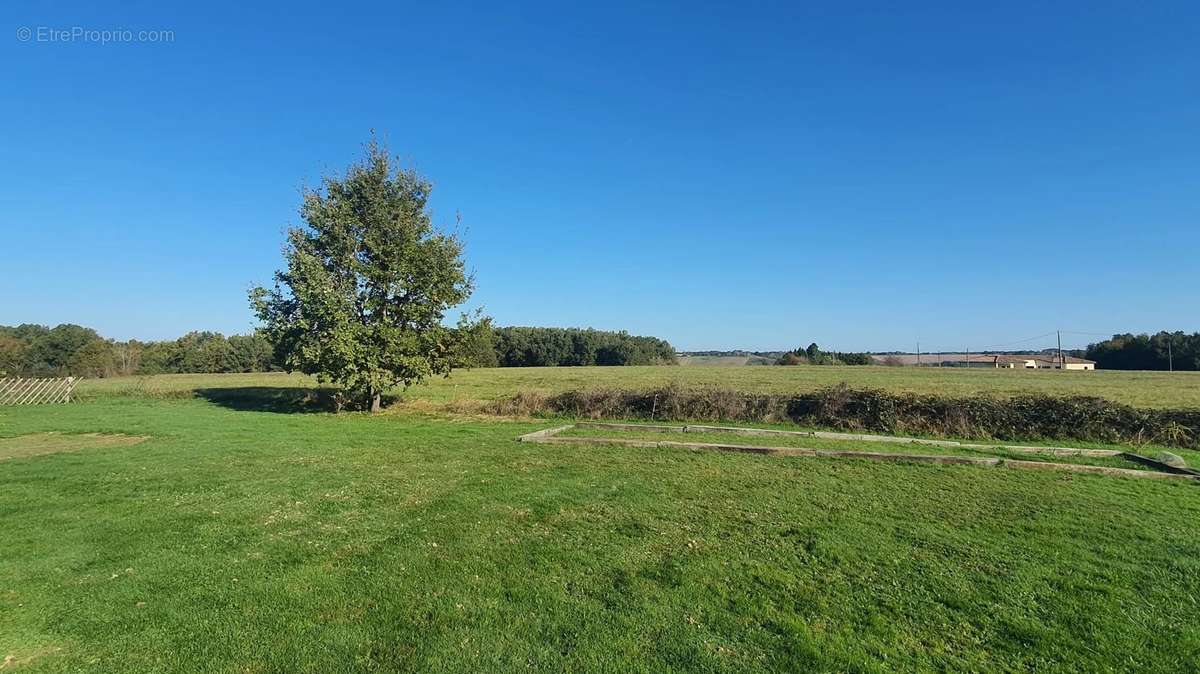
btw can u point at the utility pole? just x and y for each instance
(1062, 365)
(918, 353)
(968, 358)
(1170, 357)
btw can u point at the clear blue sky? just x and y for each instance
(724, 176)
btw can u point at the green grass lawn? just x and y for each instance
(254, 541)
(856, 445)
(1145, 389)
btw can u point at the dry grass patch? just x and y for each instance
(38, 444)
(12, 661)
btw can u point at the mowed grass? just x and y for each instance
(856, 446)
(1143, 389)
(235, 541)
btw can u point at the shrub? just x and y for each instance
(1023, 417)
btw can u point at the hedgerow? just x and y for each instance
(1020, 417)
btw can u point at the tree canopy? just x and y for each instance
(367, 283)
(1160, 351)
(41, 351)
(535, 347)
(813, 355)
(477, 343)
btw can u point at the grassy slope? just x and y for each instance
(256, 541)
(1148, 389)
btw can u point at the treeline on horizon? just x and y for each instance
(68, 349)
(74, 350)
(813, 355)
(1160, 351)
(540, 347)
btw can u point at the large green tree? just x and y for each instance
(367, 284)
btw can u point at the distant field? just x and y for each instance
(1145, 389)
(725, 360)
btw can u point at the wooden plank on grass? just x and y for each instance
(549, 436)
(538, 436)
(650, 428)
(1097, 470)
(859, 437)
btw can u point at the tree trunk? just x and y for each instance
(375, 406)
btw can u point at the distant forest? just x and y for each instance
(532, 347)
(38, 350)
(67, 349)
(1161, 351)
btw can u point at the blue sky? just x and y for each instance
(735, 175)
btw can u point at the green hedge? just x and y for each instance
(1022, 417)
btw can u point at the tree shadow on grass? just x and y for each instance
(278, 399)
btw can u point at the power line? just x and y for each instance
(1003, 346)
(1019, 341)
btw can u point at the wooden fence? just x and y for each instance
(27, 391)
